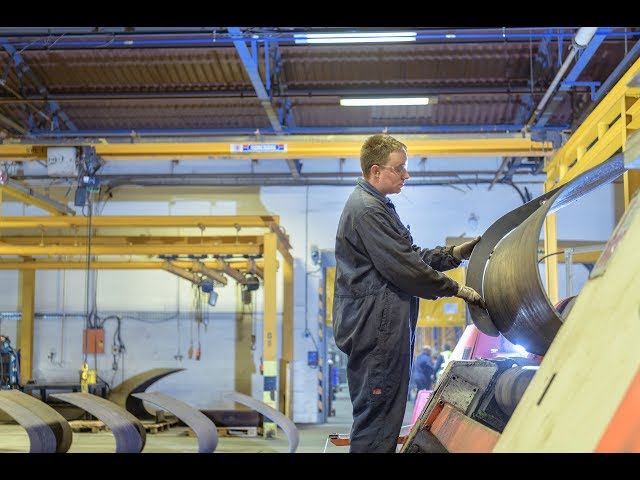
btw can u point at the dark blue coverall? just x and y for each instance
(379, 276)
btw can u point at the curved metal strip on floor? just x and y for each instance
(41, 437)
(504, 265)
(201, 425)
(272, 414)
(57, 423)
(121, 395)
(128, 431)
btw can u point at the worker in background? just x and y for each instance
(423, 369)
(380, 276)
(443, 359)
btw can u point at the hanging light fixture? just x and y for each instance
(382, 101)
(355, 37)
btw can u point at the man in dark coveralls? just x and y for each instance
(380, 276)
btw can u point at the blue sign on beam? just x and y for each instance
(258, 147)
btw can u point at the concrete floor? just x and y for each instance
(313, 437)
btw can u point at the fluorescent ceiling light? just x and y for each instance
(360, 37)
(370, 102)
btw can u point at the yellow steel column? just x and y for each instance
(270, 339)
(631, 178)
(631, 185)
(286, 386)
(550, 232)
(25, 332)
(551, 262)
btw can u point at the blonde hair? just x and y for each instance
(376, 150)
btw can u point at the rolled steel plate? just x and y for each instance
(56, 422)
(483, 250)
(121, 395)
(128, 431)
(202, 426)
(505, 268)
(272, 414)
(41, 437)
(511, 385)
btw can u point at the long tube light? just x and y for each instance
(360, 37)
(372, 102)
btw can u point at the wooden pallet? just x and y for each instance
(237, 431)
(229, 432)
(92, 426)
(98, 426)
(156, 427)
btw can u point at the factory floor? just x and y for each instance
(176, 439)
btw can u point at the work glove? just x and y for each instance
(470, 296)
(463, 251)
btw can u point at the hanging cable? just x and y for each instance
(87, 320)
(550, 255)
(254, 309)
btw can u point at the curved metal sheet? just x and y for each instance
(128, 431)
(41, 436)
(56, 422)
(202, 426)
(121, 395)
(274, 415)
(505, 268)
(482, 252)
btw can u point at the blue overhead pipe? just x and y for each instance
(185, 42)
(482, 128)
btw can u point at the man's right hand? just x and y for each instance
(470, 296)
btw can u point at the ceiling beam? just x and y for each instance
(128, 250)
(27, 195)
(571, 78)
(138, 221)
(601, 135)
(183, 273)
(81, 264)
(290, 93)
(199, 267)
(323, 146)
(251, 67)
(79, 239)
(53, 105)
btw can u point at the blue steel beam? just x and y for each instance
(250, 64)
(22, 66)
(251, 67)
(207, 36)
(571, 77)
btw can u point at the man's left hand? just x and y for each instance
(463, 251)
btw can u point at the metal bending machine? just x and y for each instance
(580, 390)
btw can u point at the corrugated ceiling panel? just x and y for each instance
(138, 70)
(173, 114)
(395, 66)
